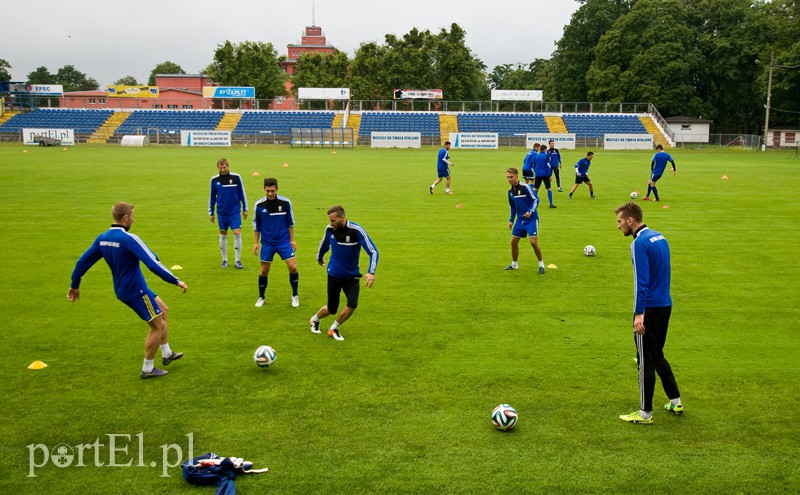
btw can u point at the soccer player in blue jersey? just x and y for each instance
(443, 165)
(555, 163)
(543, 172)
(123, 251)
(523, 202)
(582, 174)
(652, 305)
(657, 167)
(227, 194)
(273, 226)
(528, 162)
(345, 240)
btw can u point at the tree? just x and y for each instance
(126, 81)
(369, 73)
(461, 74)
(249, 64)
(785, 104)
(730, 35)
(649, 55)
(41, 76)
(512, 76)
(74, 80)
(575, 51)
(321, 70)
(164, 68)
(5, 67)
(419, 60)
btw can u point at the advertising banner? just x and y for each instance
(229, 92)
(562, 141)
(34, 89)
(418, 94)
(67, 136)
(323, 93)
(517, 95)
(117, 91)
(205, 138)
(628, 141)
(396, 140)
(474, 140)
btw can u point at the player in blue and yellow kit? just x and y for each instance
(652, 306)
(227, 195)
(543, 171)
(443, 165)
(523, 202)
(273, 226)
(123, 251)
(345, 240)
(658, 165)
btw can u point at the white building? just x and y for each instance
(688, 130)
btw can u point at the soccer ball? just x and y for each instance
(504, 417)
(589, 250)
(634, 195)
(265, 356)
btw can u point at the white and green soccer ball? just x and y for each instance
(634, 195)
(589, 250)
(265, 356)
(504, 417)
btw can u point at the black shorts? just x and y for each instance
(581, 180)
(527, 174)
(350, 286)
(539, 180)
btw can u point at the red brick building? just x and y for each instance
(175, 91)
(312, 41)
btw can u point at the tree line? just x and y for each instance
(698, 58)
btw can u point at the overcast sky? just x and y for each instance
(114, 39)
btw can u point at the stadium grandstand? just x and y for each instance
(169, 121)
(83, 122)
(281, 122)
(276, 126)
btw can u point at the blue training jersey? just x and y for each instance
(527, 162)
(651, 270)
(522, 199)
(582, 167)
(273, 219)
(345, 245)
(659, 162)
(541, 166)
(122, 251)
(443, 160)
(555, 157)
(227, 193)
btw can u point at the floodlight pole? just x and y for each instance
(769, 97)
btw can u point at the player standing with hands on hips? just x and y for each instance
(123, 251)
(345, 240)
(657, 167)
(652, 305)
(443, 164)
(227, 194)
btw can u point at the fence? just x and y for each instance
(744, 141)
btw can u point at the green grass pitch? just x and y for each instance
(403, 404)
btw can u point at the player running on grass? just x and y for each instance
(345, 240)
(657, 167)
